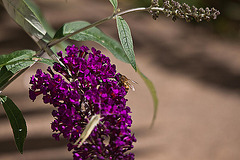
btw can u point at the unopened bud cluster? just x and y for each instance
(177, 10)
(154, 14)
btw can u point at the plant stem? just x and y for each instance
(54, 42)
(132, 10)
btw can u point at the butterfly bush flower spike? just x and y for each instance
(85, 85)
(176, 10)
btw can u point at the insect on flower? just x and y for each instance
(88, 129)
(127, 83)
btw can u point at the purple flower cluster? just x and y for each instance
(83, 85)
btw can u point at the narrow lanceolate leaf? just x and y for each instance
(17, 121)
(36, 11)
(17, 60)
(92, 34)
(152, 90)
(114, 3)
(47, 61)
(50, 31)
(5, 75)
(22, 14)
(126, 40)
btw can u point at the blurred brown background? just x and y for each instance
(195, 68)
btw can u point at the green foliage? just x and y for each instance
(5, 75)
(28, 16)
(17, 121)
(92, 34)
(47, 61)
(23, 13)
(17, 60)
(114, 3)
(153, 92)
(126, 40)
(34, 8)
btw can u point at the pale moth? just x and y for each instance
(88, 129)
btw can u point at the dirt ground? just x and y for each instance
(196, 74)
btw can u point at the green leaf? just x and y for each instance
(5, 75)
(50, 31)
(9, 68)
(23, 14)
(126, 40)
(49, 62)
(29, 17)
(36, 11)
(153, 92)
(114, 3)
(17, 60)
(92, 34)
(17, 121)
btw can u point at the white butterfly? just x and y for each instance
(88, 129)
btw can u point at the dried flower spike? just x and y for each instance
(155, 14)
(177, 10)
